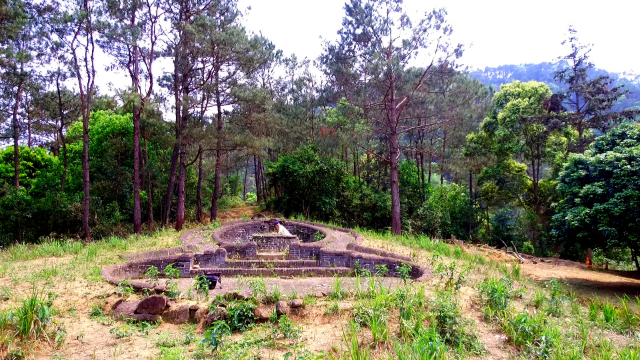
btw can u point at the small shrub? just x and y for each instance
(171, 272)
(309, 300)
(594, 310)
(273, 296)
(495, 294)
(381, 270)
(124, 288)
(332, 308)
(609, 313)
(527, 248)
(201, 285)
(213, 336)
(122, 331)
(34, 314)
(450, 324)
(338, 292)
(538, 299)
(288, 328)
(240, 315)
(404, 272)
(152, 273)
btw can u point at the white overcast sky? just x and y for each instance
(494, 32)
(499, 31)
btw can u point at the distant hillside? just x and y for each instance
(496, 76)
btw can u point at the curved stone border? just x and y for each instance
(336, 254)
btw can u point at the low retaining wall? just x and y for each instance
(236, 257)
(272, 243)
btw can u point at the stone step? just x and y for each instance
(305, 271)
(276, 256)
(272, 263)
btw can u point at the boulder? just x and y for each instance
(262, 312)
(297, 303)
(201, 313)
(126, 310)
(219, 313)
(153, 305)
(176, 315)
(282, 308)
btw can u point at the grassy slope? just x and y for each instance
(446, 317)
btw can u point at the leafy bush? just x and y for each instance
(527, 248)
(240, 315)
(452, 327)
(496, 295)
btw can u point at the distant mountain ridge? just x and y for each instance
(543, 72)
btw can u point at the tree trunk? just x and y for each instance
(444, 149)
(172, 183)
(244, 183)
(85, 172)
(422, 193)
(181, 190)
(149, 187)
(137, 215)
(634, 255)
(394, 153)
(16, 137)
(199, 212)
(256, 175)
(216, 184)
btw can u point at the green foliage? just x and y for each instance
(599, 202)
(452, 327)
(527, 248)
(445, 213)
(404, 272)
(171, 271)
(240, 315)
(338, 292)
(496, 295)
(287, 328)
(309, 184)
(124, 288)
(152, 273)
(201, 285)
(213, 336)
(34, 314)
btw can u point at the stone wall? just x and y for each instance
(272, 243)
(211, 259)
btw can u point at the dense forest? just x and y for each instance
(362, 136)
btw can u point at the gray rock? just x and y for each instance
(153, 305)
(262, 312)
(297, 303)
(282, 308)
(176, 315)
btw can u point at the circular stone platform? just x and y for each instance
(252, 248)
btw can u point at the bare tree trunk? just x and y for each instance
(85, 172)
(63, 142)
(16, 136)
(444, 149)
(172, 183)
(199, 212)
(137, 211)
(149, 187)
(424, 189)
(216, 185)
(181, 190)
(244, 183)
(256, 175)
(394, 153)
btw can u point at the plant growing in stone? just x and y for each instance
(171, 272)
(381, 270)
(152, 273)
(404, 272)
(124, 288)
